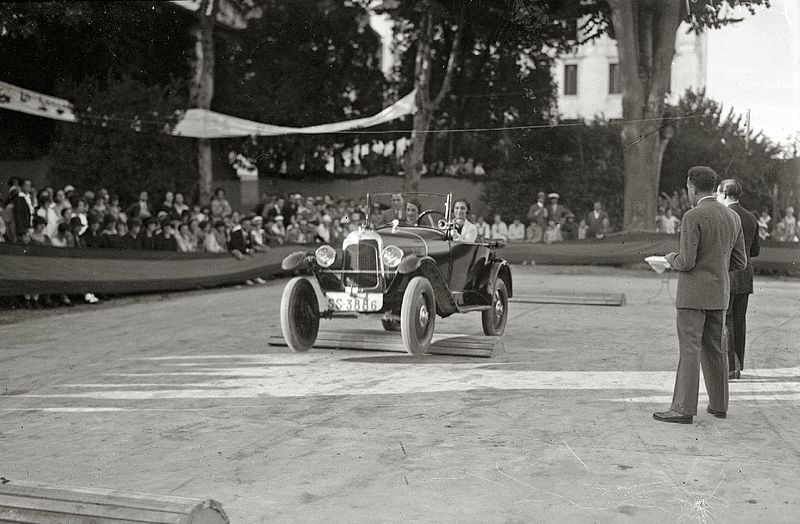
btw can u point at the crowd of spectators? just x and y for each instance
(672, 207)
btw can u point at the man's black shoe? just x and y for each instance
(718, 414)
(732, 375)
(672, 416)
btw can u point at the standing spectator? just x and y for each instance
(168, 203)
(538, 212)
(480, 172)
(763, 224)
(786, 229)
(23, 211)
(728, 193)
(516, 231)
(220, 207)
(324, 229)
(668, 223)
(484, 229)
(276, 209)
(47, 210)
(141, 208)
(556, 211)
(583, 229)
(113, 207)
(596, 220)
(499, 229)
(711, 244)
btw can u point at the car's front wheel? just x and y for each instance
(299, 314)
(418, 315)
(494, 319)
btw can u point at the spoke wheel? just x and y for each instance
(494, 319)
(299, 314)
(418, 316)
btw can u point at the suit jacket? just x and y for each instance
(711, 245)
(742, 281)
(22, 215)
(596, 226)
(390, 215)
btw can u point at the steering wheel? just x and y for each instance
(429, 214)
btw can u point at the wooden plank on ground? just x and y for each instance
(580, 299)
(24, 501)
(374, 340)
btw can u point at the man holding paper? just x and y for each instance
(711, 245)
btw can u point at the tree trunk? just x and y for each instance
(646, 45)
(415, 154)
(202, 90)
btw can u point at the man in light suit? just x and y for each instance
(396, 211)
(711, 245)
(728, 193)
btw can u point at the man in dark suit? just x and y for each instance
(23, 211)
(556, 211)
(728, 193)
(711, 245)
(396, 211)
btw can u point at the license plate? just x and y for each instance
(339, 301)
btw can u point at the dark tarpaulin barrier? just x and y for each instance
(52, 270)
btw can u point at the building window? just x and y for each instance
(614, 81)
(571, 79)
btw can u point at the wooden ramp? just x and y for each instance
(378, 340)
(578, 299)
(23, 501)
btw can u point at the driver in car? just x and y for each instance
(413, 208)
(465, 230)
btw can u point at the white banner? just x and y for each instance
(27, 101)
(202, 123)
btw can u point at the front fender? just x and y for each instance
(500, 269)
(294, 260)
(427, 267)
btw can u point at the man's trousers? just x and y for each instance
(735, 323)
(700, 344)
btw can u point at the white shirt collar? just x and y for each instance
(706, 198)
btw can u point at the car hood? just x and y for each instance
(417, 240)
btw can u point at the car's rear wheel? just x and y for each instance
(494, 319)
(390, 325)
(299, 314)
(418, 315)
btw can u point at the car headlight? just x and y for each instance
(391, 256)
(325, 256)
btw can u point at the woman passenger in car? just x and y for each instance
(412, 212)
(465, 230)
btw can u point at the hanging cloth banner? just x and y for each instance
(202, 123)
(27, 101)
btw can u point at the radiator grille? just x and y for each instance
(361, 264)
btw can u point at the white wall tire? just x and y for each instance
(299, 314)
(418, 316)
(494, 319)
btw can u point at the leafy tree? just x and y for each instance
(121, 145)
(718, 138)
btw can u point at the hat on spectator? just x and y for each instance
(279, 217)
(327, 219)
(69, 188)
(553, 195)
(258, 220)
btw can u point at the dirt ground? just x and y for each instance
(180, 394)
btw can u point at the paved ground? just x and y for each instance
(181, 395)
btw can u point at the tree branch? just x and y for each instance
(452, 61)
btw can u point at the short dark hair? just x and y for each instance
(466, 203)
(731, 188)
(39, 221)
(703, 178)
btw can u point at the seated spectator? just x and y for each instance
(148, 236)
(221, 235)
(61, 201)
(141, 208)
(763, 224)
(240, 242)
(113, 208)
(278, 230)
(108, 236)
(61, 238)
(187, 242)
(294, 233)
(516, 231)
(499, 229)
(534, 232)
(74, 239)
(80, 209)
(38, 236)
(480, 172)
(786, 229)
(667, 223)
(179, 207)
(131, 239)
(257, 237)
(47, 210)
(3, 229)
(220, 207)
(553, 232)
(583, 229)
(165, 241)
(484, 229)
(596, 221)
(569, 231)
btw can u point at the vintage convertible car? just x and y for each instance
(404, 273)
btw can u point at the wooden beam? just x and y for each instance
(374, 340)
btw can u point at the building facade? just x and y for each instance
(589, 83)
